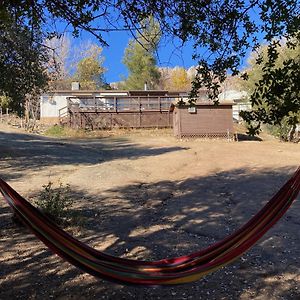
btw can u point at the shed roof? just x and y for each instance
(200, 103)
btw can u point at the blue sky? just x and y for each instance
(170, 54)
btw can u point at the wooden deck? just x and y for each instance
(120, 112)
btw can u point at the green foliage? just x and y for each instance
(5, 101)
(61, 132)
(140, 59)
(222, 32)
(90, 69)
(56, 130)
(21, 60)
(282, 131)
(55, 202)
(274, 84)
(254, 71)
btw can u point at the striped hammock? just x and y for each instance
(169, 271)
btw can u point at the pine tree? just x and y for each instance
(140, 59)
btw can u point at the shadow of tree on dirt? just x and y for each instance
(164, 219)
(245, 137)
(33, 152)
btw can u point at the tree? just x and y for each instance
(178, 80)
(255, 71)
(58, 67)
(275, 95)
(90, 68)
(84, 61)
(222, 31)
(22, 61)
(164, 78)
(140, 59)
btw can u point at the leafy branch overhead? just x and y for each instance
(273, 83)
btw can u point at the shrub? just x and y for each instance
(55, 202)
(4, 101)
(285, 131)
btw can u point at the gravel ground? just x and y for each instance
(147, 195)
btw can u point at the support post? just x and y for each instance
(116, 104)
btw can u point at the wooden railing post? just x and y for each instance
(116, 104)
(140, 104)
(159, 104)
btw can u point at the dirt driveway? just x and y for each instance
(147, 195)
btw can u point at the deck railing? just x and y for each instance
(121, 104)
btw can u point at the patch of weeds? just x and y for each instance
(56, 203)
(61, 131)
(56, 131)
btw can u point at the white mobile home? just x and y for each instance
(54, 104)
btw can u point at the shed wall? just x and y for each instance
(208, 121)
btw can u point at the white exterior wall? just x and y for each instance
(238, 97)
(233, 95)
(50, 105)
(237, 108)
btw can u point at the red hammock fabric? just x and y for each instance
(163, 272)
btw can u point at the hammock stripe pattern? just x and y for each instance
(169, 271)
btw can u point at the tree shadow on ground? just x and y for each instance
(245, 137)
(164, 219)
(32, 152)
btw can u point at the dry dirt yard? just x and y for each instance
(148, 195)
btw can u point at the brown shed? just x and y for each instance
(203, 120)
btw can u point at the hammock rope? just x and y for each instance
(168, 271)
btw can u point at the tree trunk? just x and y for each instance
(292, 132)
